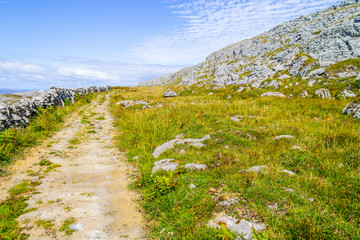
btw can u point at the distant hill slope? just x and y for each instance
(304, 48)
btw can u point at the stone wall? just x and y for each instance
(17, 115)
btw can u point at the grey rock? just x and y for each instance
(316, 72)
(295, 147)
(165, 164)
(323, 93)
(195, 166)
(255, 169)
(353, 109)
(346, 74)
(171, 144)
(272, 94)
(242, 228)
(237, 118)
(241, 89)
(288, 172)
(283, 136)
(128, 103)
(77, 226)
(169, 93)
(347, 94)
(229, 202)
(192, 186)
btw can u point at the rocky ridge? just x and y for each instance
(18, 114)
(302, 49)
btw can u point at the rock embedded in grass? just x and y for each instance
(272, 94)
(195, 166)
(171, 144)
(288, 172)
(255, 169)
(323, 93)
(165, 164)
(353, 109)
(169, 93)
(242, 228)
(348, 94)
(283, 136)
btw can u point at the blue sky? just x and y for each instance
(71, 43)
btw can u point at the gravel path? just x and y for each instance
(89, 186)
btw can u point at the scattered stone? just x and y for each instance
(353, 109)
(284, 76)
(243, 228)
(237, 118)
(179, 136)
(341, 165)
(169, 93)
(295, 147)
(165, 164)
(136, 158)
(283, 136)
(210, 93)
(229, 96)
(77, 226)
(255, 169)
(347, 94)
(183, 151)
(272, 94)
(241, 89)
(171, 144)
(288, 172)
(304, 94)
(192, 186)
(195, 166)
(128, 103)
(316, 72)
(273, 207)
(288, 189)
(310, 199)
(229, 202)
(323, 93)
(311, 82)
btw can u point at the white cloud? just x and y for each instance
(209, 25)
(14, 66)
(78, 72)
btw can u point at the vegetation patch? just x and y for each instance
(318, 201)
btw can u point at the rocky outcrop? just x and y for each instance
(323, 93)
(304, 47)
(169, 93)
(353, 109)
(18, 114)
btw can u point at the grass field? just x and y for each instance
(321, 201)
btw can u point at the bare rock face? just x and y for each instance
(17, 115)
(353, 109)
(303, 47)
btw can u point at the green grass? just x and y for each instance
(324, 196)
(65, 227)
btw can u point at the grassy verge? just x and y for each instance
(321, 201)
(12, 144)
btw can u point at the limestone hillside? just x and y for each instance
(308, 48)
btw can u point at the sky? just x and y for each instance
(73, 43)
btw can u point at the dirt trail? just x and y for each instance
(90, 185)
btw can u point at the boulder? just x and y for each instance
(169, 93)
(165, 164)
(171, 144)
(323, 93)
(353, 109)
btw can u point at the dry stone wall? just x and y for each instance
(18, 114)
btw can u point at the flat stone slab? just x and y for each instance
(195, 166)
(242, 228)
(165, 164)
(255, 169)
(171, 144)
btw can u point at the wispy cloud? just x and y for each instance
(78, 72)
(209, 25)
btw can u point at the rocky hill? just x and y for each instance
(308, 48)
